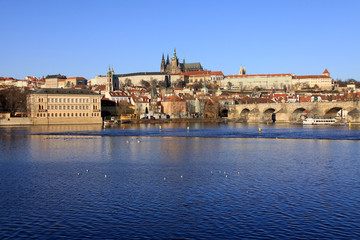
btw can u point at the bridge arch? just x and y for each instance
(332, 111)
(297, 114)
(224, 112)
(267, 114)
(244, 114)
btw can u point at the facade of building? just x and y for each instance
(265, 81)
(52, 81)
(99, 80)
(275, 81)
(135, 78)
(174, 106)
(118, 96)
(323, 81)
(64, 106)
(175, 67)
(141, 104)
(199, 76)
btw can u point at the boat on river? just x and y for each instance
(321, 121)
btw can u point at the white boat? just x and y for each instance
(320, 121)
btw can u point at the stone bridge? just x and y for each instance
(293, 112)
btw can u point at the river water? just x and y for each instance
(213, 181)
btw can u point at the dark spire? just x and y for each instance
(167, 59)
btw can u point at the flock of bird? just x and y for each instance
(181, 177)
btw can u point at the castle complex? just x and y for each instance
(175, 67)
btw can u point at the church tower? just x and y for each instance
(175, 64)
(110, 80)
(242, 71)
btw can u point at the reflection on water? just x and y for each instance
(177, 186)
(231, 130)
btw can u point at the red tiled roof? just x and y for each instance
(217, 73)
(172, 98)
(310, 76)
(196, 73)
(326, 71)
(202, 73)
(119, 94)
(100, 87)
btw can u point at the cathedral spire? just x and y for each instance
(174, 57)
(163, 67)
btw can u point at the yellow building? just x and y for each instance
(64, 106)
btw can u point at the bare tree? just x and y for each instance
(13, 100)
(128, 82)
(180, 84)
(145, 84)
(124, 108)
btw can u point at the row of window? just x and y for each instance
(68, 100)
(52, 107)
(67, 115)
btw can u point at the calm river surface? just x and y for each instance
(215, 181)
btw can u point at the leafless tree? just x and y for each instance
(13, 100)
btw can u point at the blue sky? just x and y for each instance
(82, 37)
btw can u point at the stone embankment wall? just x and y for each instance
(15, 121)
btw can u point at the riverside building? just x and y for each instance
(64, 106)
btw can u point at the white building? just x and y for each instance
(276, 81)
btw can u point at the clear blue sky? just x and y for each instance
(82, 37)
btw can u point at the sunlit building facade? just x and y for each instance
(64, 106)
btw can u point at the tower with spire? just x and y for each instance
(163, 65)
(175, 63)
(174, 66)
(242, 71)
(110, 80)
